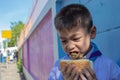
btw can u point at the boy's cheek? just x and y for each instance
(64, 48)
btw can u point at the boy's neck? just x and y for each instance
(88, 50)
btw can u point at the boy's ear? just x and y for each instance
(93, 32)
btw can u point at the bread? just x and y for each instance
(81, 63)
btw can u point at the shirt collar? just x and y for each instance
(93, 49)
(89, 53)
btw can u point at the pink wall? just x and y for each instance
(40, 49)
(25, 55)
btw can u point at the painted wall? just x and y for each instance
(25, 55)
(41, 49)
(38, 54)
(107, 20)
(38, 12)
(37, 42)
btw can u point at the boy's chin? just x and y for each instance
(76, 56)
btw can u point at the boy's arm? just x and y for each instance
(115, 71)
(55, 73)
(51, 76)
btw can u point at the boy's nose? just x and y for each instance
(70, 47)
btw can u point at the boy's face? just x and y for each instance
(75, 42)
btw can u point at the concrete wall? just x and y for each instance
(38, 12)
(38, 53)
(107, 20)
(41, 54)
(37, 42)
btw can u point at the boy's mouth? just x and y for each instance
(74, 55)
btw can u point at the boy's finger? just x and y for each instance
(69, 70)
(73, 72)
(82, 77)
(91, 73)
(64, 69)
(87, 74)
(77, 76)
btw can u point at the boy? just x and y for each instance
(75, 28)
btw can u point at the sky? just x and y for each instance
(14, 11)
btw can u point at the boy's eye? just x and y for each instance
(76, 39)
(64, 41)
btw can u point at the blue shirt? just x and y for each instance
(104, 68)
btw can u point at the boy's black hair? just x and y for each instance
(73, 15)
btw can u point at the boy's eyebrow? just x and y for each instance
(62, 38)
(74, 35)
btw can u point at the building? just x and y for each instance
(1, 45)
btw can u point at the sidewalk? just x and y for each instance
(11, 73)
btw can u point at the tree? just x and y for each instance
(16, 28)
(4, 44)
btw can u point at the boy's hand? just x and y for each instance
(70, 72)
(87, 74)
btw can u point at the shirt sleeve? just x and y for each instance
(115, 71)
(52, 75)
(55, 73)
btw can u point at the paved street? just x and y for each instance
(11, 73)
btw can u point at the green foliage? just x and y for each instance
(19, 65)
(16, 29)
